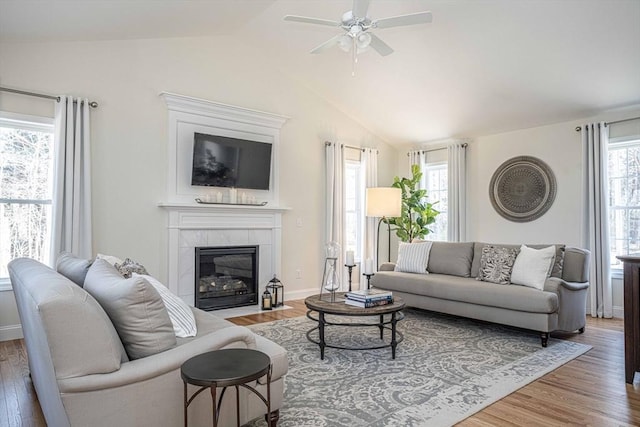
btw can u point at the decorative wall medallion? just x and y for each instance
(522, 189)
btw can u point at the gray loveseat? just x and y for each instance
(83, 376)
(451, 287)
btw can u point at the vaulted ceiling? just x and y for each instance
(481, 66)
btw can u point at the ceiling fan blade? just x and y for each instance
(360, 8)
(379, 46)
(402, 20)
(308, 20)
(327, 45)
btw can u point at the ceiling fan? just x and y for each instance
(358, 35)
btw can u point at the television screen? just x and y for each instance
(220, 161)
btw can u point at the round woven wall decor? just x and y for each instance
(522, 189)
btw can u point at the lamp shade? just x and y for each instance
(384, 202)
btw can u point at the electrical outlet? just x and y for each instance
(298, 274)
(299, 222)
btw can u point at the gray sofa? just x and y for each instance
(451, 287)
(83, 376)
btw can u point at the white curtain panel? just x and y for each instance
(370, 163)
(595, 137)
(335, 216)
(457, 192)
(72, 179)
(416, 157)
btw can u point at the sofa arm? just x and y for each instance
(158, 364)
(387, 266)
(572, 302)
(554, 284)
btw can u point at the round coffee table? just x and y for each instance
(225, 368)
(324, 306)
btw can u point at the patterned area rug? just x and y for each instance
(446, 369)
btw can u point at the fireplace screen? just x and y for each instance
(226, 277)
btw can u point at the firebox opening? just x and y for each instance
(226, 277)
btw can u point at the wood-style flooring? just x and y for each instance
(588, 391)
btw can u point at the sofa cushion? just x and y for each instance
(451, 258)
(496, 264)
(184, 324)
(135, 308)
(477, 255)
(470, 290)
(413, 257)
(533, 266)
(72, 267)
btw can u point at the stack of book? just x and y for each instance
(367, 298)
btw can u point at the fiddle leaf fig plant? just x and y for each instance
(417, 213)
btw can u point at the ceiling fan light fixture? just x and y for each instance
(363, 40)
(345, 42)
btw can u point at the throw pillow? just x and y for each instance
(72, 267)
(113, 260)
(496, 264)
(182, 318)
(135, 309)
(128, 267)
(413, 257)
(533, 266)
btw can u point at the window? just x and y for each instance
(354, 201)
(26, 188)
(624, 198)
(435, 177)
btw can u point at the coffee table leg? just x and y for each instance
(321, 334)
(238, 406)
(186, 404)
(381, 326)
(394, 343)
(213, 401)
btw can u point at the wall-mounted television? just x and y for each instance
(220, 161)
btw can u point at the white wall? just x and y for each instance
(559, 146)
(129, 135)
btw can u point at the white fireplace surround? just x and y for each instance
(191, 224)
(196, 226)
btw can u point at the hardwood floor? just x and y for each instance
(589, 390)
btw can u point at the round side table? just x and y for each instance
(226, 368)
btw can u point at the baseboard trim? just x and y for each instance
(618, 311)
(10, 332)
(301, 294)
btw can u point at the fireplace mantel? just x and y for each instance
(192, 225)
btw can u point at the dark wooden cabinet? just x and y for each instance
(631, 316)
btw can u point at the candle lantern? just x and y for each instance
(267, 302)
(276, 288)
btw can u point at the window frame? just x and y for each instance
(436, 166)
(359, 207)
(35, 124)
(618, 143)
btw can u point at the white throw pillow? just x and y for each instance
(413, 257)
(184, 323)
(533, 266)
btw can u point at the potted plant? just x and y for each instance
(417, 213)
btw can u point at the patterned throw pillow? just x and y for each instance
(496, 264)
(129, 266)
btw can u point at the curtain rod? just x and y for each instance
(351, 146)
(438, 149)
(92, 104)
(579, 128)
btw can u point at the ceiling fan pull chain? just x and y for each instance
(354, 52)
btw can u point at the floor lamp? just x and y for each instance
(383, 203)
